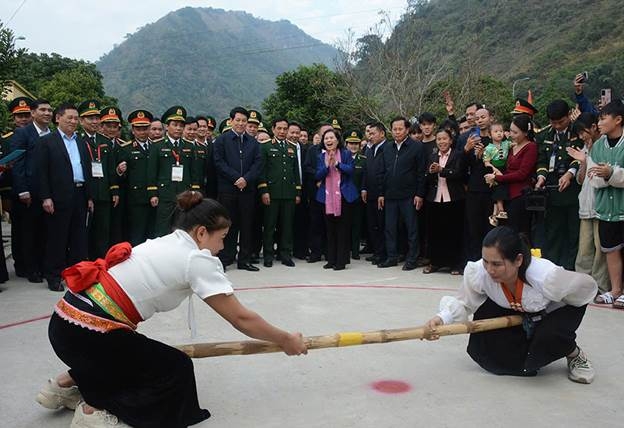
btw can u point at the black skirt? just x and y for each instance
(445, 232)
(143, 382)
(508, 351)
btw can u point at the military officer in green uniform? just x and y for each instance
(280, 189)
(353, 140)
(105, 180)
(225, 125)
(132, 166)
(557, 171)
(170, 169)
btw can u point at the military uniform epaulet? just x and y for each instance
(265, 141)
(8, 134)
(123, 143)
(160, 140)
(291, 143)
(544, 129)
(363, 156)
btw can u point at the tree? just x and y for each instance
(311, 95)
(74, 85)
(9, 64)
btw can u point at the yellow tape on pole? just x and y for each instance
(349, 339)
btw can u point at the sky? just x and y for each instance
(84, 29)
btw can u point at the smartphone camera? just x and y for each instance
(584, 77)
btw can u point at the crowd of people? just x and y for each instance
(420, 193)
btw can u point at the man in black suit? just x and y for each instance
(401, 192)
(238, 163)
(27, 215)
(375, 215)
(65, 191)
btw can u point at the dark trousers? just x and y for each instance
(100, 229)
(241, 208)
(519, 219)
(30, 235)
(509, 352)
(282, 211)
(302, 221)
(339, 235)
(356, 226)
(376, 223)
(164, 217)
(444, 233)
(142, 221)
(66, 231)
(478, 209)
(317, 229)
(397, 209)
(562, 234)
(257, 228)
(118, 220)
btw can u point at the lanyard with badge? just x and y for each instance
(97, 170)
(177, 170)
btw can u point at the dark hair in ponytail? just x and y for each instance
(193, 210)
(510, 243)
(525, 124)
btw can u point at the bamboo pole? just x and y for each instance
(246, 347)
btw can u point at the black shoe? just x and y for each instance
(387, 263)
(328, 266)
(313, 259)
(248, 266)
(422, 262)
(21, 274)
(55, 285)
(268, 263)
(35, 278)
(339, 268)
(366, 250)
(401, 259)
(355, 256)
(301, 256)
(288, 262)
(370, 258)
(409, 266)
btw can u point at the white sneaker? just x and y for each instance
(97, 419)
(580, 369)
(52, 396)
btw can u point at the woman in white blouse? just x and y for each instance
(125, 377)
(506, 281)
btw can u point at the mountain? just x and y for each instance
(208, 60)
(547, 41)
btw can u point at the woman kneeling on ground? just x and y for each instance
(121, 374)
(506, 281)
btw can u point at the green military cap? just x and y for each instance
(254, 117)
(174, 113)
(335, 124)
(190, 119)
(225, 125)
(140, 118)
(20, 105)
(212, 123)
(261, 128)
(353, 137)
(522, 106)
(89, 108)
(110, 114)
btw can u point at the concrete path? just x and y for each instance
(436, 384)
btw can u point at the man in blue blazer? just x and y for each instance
(65, 180)
(27, 215)
(238, 163)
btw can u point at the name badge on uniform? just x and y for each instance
(177, 172)
(97, 171)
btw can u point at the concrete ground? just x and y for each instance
(332, 387)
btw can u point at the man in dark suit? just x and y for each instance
(27, 215)
(65, 191)
(401, 191)
(375, 215)
(238, 163)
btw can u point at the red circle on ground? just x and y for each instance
(391, 386)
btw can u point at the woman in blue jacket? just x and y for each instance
(336, 190)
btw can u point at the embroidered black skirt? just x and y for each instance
(509, 352)
(143, 382)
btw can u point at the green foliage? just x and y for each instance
(207, 59)
(74, 85)
(9, 64)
